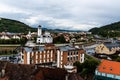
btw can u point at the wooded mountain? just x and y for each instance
(9, 25)
(111, 30)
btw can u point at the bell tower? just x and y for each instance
(39, 31)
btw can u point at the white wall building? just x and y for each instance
(43, 38)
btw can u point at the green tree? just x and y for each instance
(23, 41)
(59, 39)
(79, 66)
(87, 68)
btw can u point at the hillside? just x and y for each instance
(60, 30)
(111, 30)
(14, 26)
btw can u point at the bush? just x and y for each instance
(13, 41)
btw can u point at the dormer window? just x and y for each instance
(111, 69)
(104, 68)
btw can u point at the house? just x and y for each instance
(59, 56)
(15, 37)
(108, 70)
(30, 72)
(28, 36)
(7, 35)
(107, 48)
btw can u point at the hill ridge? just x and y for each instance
(9, 25)
(111, 30)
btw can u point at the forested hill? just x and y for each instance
(111, 30)
(9, 25)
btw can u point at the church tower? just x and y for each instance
(39, 31)
(43, 38)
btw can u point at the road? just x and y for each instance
(9, 45)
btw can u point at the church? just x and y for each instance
(43, 38)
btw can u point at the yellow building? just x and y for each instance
(107, 48)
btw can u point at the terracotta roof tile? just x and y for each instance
(110, 67)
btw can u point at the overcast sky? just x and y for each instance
(62, 14)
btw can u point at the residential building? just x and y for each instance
(107, 48)
(10, 71)
(108, 70)
(6, 36)
(59, 56)
(29, 35)
(16, 37)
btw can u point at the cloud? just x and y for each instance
(56, 23)
(11, 9)
(63, 14)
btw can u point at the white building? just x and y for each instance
(7, 35)
(43, 38)
(28, 36)
(16, 37)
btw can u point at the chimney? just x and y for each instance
(36, 66)
(66, 77)
(0, 74)
(3, 70)
(3, 73)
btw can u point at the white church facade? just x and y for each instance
(43, 38)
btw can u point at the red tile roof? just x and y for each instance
(110, 67)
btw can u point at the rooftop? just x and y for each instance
(29, 72)
(50, 46)
(112, 45)
(110, 67)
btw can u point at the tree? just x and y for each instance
(87, 68)
(79, 66)
(118, 59)
(59, 39)
(23, 41)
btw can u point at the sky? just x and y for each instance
(62, 14)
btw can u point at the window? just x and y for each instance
(22, 56)
(68, 59)
(40, 56)
(76, 52)
(81, 55)
(76, 57)
(68, 53)
(72, 52)
(71, 58)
